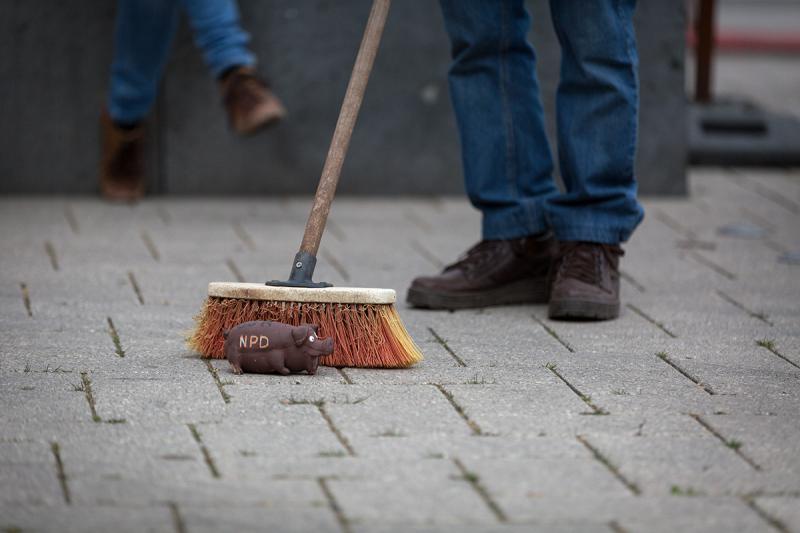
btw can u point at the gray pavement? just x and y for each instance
(683, 414)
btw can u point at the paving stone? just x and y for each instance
(785, 509)
(435, 494)
(93, 519)
(33, 484)
(673, 513)
(241, 518)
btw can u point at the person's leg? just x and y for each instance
(247, 97)
(507, 162)
(219, 34)
(144, 33)
(597, 104)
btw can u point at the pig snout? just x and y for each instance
(325, 345)
(317, 347)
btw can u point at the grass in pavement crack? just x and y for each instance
(630, 279)
(86, 388)
(769, 344)
(476, 429)
(335, 430)
(177, 518)
(553, 334)
(60, 473)
(72, 221)
(722, 271)
(475, 482)
(135, 286)
(425, 253)
(447, 348)
(650, 319)
(26, 298)
(734, 445)
(344, 375)
(336, 264)
(344, 523)
(596, 410)
(664, 357)
(765, 516)
(320, 405)
(150, 245)
(212, 467)
(243, 236)
(605, 461)
(112, 331)
(51, 253)
(237, 274)
(758, 315)
(220, 385)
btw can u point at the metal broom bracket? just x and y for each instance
(302, 272)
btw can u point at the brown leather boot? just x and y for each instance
(585, 281)
(497, 272)
(250, 103)
(122, 163)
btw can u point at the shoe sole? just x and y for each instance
(529, 291)
(582, 310)
(268, 115)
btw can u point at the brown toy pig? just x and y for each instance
(263, 347)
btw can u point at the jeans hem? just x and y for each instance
(593, 233)
(238, 59)
(512, 225)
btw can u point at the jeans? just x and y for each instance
(508, 166)
(144, 33)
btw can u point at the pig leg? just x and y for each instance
(277, 362)
(236, 365)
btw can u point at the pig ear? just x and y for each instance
(299, 335)
(315, 327)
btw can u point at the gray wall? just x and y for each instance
(54, 66)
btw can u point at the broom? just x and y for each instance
(364, 324)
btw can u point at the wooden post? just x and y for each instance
(704, 52)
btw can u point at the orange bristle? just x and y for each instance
(364, 335)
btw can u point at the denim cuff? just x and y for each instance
(512, 223)
(236, 58)
(593, 233)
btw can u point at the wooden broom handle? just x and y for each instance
(344, 127)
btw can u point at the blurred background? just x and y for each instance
(55, 56)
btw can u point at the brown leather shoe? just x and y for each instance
(497, 272)
(122, 162)
(250, 103)
(585, 281)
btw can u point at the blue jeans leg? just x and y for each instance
(144, 32)
(219, 34)
(507, 162)
(597, 105)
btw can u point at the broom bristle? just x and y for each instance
(364, 335)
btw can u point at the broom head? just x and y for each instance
(366, 329)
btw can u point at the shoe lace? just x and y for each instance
(476, 257)
(584, 261)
